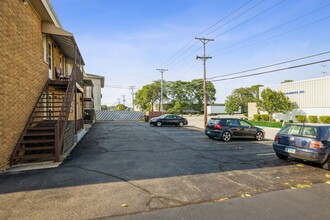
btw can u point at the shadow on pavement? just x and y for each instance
(115, 152)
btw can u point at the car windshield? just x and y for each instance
(213, 121)
(298, 130)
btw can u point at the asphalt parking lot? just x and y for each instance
(124, 168)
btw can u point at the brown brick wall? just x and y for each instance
(23, 72)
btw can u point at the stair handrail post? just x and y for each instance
(57, 147)
(65, 110)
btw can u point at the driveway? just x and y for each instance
(124, 168)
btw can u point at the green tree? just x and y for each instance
(232, 104)
(104, 107)
(149, 95)
(274, 102)
(255, 91)
(179, 94)
(121, 107)
(196, 93)
(243, 96)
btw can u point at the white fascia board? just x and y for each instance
(50, 10)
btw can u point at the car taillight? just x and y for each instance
(316, 144)
(217, 127)
(276, 138)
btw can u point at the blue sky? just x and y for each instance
(126, 40)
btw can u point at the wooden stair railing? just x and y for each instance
(19, 147)
(43, 135)
(64, 114)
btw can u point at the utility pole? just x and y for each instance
(132, 93)
(118, 101)
(204, 58)
(124, 99)
(161, 88)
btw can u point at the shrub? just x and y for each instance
(290, 121)
(265, 117)
(257, 117)
(301, 118)
(245, 114)
(312, 118)
(281, 120)
(325, 119)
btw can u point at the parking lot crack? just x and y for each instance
(151, 204)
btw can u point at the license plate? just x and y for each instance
(290, 150)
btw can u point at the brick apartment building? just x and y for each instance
(41, 84)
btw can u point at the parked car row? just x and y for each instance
(306, 142)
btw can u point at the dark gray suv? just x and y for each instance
(226, 128)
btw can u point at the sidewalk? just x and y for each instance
(308, 203)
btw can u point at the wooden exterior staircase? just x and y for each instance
(43, 135)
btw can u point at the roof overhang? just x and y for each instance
(96, 77)
(45, 11)
(65, 41)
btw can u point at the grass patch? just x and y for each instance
(267, 124)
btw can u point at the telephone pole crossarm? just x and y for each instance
(199, 57)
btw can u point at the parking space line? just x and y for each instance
(266, 154)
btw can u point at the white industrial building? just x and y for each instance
(311, 96)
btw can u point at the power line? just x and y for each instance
(271, 71)
(271, 65)
(264, 11)
(276, 27)
(167, 63)
(275, 36)
(249, 9)
(222, 19)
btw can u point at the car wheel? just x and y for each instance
(159, 124)
(180, 123)
(326, 164)
(259, 136)
(226, 136)
(281, 156)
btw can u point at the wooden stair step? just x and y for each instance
(49, 102)
(35, 134)
(38, 141)
(38, 156)
(53, 94)
(40, 148)
(42, 116)
(46, 111)
(41, 128)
